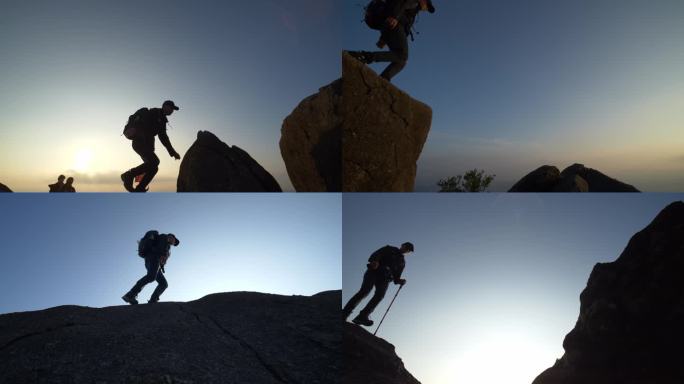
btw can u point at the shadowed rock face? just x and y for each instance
(371, 360)
(4, 188)
(575, 178)
(311, 142)
(235, 337)
(384, 131)
(211, 165)
(631, 323)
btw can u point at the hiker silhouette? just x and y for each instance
(141, 128)
(154, 248)
(394, 19)
(384, 265)
(57, 187)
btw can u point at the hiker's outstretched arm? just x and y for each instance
(164, 138)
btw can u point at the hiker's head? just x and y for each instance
(172, 239)
(168, 107)
(406, 248)
(70, 181)
(61, 178)
(426, 5)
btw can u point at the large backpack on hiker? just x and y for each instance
(134, 125)
(375, 14)
(146, 243)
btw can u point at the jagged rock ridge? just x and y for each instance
(311, 142)
(211, 165)
(629, 329)
(371, 360)
(238, 337)
(384, 131)
(575, 178)
(4, 188)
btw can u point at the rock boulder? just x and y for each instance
(575, 178)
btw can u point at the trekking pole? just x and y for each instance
(388, 308)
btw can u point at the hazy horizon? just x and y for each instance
(517, 85)
(495, 279)
(82, 249)
(74, 71)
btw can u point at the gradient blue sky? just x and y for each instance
(518, 84)
(72, 71)
(83, 249)
(494, 284)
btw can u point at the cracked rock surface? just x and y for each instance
(238, 337)
(211, 165)
(629, 329)
(575, 178)
(384, 131)
(371, 360)
(311, 142)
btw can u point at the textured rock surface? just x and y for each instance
(575, 178)
(238, 337)
(371, 360)
(211, 165)
(630, 327)
(384, 131)
(311, 142)
(4, 188)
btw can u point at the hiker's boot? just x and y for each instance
(127, 179)
(362, 320)
(152, 300)
(362, 56)
(130, 299)
(140, 189)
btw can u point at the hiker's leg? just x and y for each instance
(152, 267)
(380, 289)
(397, 41)
(141, 149)
(161, 287)
(151, 169)
(366, 287)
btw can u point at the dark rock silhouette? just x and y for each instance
(384, 131)
(575, 178)
(311, 142)
(4, 188)
(629, 328)
(238, 337)
(211, 165)
(371, 360)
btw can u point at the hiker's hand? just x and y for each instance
(373, 265)
(401, 281)
(392, 22)
(175, 155)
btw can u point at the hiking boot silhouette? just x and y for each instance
(361, 56)
(152, 301)
(129, 299)
(127, 179)
(362, 320)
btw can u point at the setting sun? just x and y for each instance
(82, 159)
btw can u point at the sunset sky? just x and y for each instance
(494, 283)
(72, 72)
(518, 84)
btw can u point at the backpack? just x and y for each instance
(132, 127)
(375, 14)
(147, 242)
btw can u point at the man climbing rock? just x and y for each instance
(142, 127)
(154, 248)
(384, 265)
(395, 19)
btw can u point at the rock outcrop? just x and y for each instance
(311, 142)
(4, 188)
(575, 178)
(371, 360)
(384, 131)
(629, 328)
(236, 337)
(211, 165)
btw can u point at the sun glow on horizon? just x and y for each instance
(82, 159)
